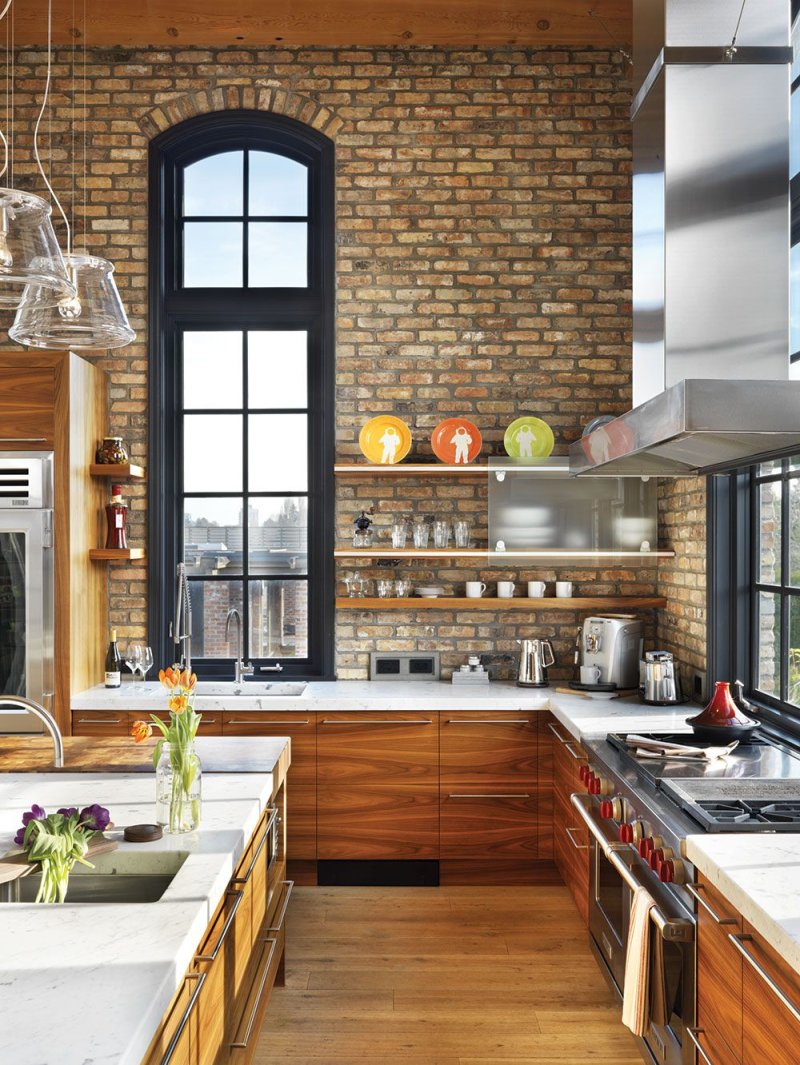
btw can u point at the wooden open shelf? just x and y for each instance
(400, 469)
(622, 602)
(125, 471)
(115, 554)
(412, 552)
(499, 558)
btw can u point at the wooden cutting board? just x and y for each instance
(15, 865)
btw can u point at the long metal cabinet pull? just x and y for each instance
(695, 893)
(289, 885)
(99, 720)
(489, 795)
(556, 733)
(173, 1043)
(237, 896)
(260, 721)
(259, 848)
(738, 941)
(376, 721)
(242, 1045)
(575, 755)
(488, 721)
(577, 846)
(670, 928)
(693, 1034)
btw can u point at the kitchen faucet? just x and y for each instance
(181, 628)
(47, 720)
(240, 669)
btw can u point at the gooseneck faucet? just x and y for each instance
(181, 627)
(240, 670)
(47, 720)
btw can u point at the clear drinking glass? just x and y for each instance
(354, 585)
(399, 534)
(421, 532)
(385, 589)
(403, 588)
(441, 533)
(461, 531)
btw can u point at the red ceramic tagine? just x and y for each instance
(722, 720)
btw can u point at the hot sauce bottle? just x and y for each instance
(116, 518)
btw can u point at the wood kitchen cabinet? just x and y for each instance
(570, 835)
(748, 997)
(118, 722)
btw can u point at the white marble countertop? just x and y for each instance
(91, 982)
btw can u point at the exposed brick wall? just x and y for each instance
(483, 263)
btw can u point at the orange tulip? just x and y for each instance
(141, 731)
(178, 703)
(188, 680)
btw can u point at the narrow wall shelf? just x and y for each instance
(622, 602)
(125, 471)
(406, 469)
(498, 558)
(115, 554)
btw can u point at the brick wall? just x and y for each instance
(483, 263)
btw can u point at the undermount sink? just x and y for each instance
(121, 876)
(215, 689)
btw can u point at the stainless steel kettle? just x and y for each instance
(534, 658)
(659, 680)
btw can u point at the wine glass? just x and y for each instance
(146, 662)
(133, 659)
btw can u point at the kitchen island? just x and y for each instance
(95, 981)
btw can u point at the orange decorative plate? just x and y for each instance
(456, 441)
(385, 440)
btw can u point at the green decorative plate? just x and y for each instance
(528, 438)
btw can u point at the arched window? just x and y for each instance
(242, 391)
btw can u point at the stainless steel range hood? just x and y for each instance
(712, 386)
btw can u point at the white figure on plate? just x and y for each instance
(461, 441)
(391, 442)
(525, 440)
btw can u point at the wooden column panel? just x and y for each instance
(719, 975)
(771, 1033)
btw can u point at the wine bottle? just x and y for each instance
(113, 662)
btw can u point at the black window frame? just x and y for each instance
(794, 184)
(174, 309)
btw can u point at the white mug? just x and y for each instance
(564, 589)
(475, 589)
(591, 674)
(536, 589)
(505, 589)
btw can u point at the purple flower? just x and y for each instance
(96, 817)
(68, 811)
(19, 839)
(36, 813)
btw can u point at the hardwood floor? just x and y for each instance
(447, 976)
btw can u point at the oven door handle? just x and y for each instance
(675, 929)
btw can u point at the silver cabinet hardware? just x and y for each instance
(237, 897)
(375, 721)
(261, 721)
(242, 1044)
(738, 941)
(99, 720)
(488, 721)
(694, 891)
(577, 846)
(267, 829)
(490, 795)
(570, 748)
(556, 733)
(173, 1043)
(289, 886)
(693, 1033)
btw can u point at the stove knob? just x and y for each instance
(648, 845)
(659, 855)
(599, 785)
(611, 809)
(590, 779)
(673, 871)
(626, 833)
(637, 828)
(583, 774)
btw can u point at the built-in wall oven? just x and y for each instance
(616, 870)
(26, 583)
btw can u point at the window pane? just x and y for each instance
(212, 536)
(278, 535)
(212, 255)
(278, 186)
(770, 468)
(794, 135)
(793, 577)
(278, 255)
(276, 369)
(278, 453)
(212, 370)
(769, 643)
(212, 453)
(793, 689)
(770, 536)
(211, 601)
(213, 186)
(278, 619)
(794, 300)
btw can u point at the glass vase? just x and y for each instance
(178, 788)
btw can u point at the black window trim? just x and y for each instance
(173, 310)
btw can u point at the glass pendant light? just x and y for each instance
(29, 251)
(92, 319)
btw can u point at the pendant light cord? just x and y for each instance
(3, 139)
(45, 98)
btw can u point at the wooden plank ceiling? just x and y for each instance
(326, 22)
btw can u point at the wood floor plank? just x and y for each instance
(449, 976)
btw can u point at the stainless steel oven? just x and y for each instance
(616, 870)
(26, 583)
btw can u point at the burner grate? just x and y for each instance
(740, 812)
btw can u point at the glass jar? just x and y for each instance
(112, 452)
(178, 788)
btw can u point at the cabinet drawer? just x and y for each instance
(180, 1025)
(299, 726)
(301, 814)
(210, 724)
(710, 1042)
(485, 825)
(719, 973)
(380, 821)
(496, 750)
(771, 1029)
(27, 407)
(101, 722)
(373, 748)
(215, 959)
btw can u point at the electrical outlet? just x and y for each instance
(699, 692)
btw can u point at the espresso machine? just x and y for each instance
(607, 654)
